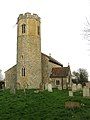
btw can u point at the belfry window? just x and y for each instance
(23, 71)
(22, 56)
(23, 28)
(38, 30)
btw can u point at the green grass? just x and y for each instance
(42, 106)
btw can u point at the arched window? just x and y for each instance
(38, 30)
(23, 71)
(23, 28)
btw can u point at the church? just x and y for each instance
(34, 69)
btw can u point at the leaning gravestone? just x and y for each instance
(74, 87)
(71, 93)
(50, 88)
(86, 92)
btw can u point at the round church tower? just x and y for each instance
(28, 51)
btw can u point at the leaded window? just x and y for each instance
(23, 28)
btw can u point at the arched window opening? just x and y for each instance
(23, 28)
(22, 56)
(23, 71)
(38, 30)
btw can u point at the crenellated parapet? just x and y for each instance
(28, 15)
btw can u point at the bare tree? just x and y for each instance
(86, 32)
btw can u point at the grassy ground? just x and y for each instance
(42, 106)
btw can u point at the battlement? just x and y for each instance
(28, 15)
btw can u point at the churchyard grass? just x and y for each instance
(42, 106)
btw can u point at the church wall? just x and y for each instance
(47, 68)
(31, 61)
(11, 77)
(54, 82)
(60, 85)
(65, 82)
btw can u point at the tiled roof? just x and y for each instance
(53, 60)
(60, 72)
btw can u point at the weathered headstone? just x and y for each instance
(72, 105)
(13, 87)
(41, 86)
(74, 87)
(50, 88)
(36, 91)
(46, 86)
(79, 87)
(88, 84)
(86, 92)
(71, 93)
(59, 87)
(12, 90)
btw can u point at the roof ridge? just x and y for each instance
(51, 59)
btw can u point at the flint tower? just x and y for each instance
(28, 51)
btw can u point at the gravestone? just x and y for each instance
(59, 87)
(71, 93)
(50, 88)
(74, 87)
(79, 87)
(86, 91)
(72, 105)
(36, 91)
(41, 86)
(88, 84)
(46, 86)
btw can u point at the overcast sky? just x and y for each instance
(62, 23)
